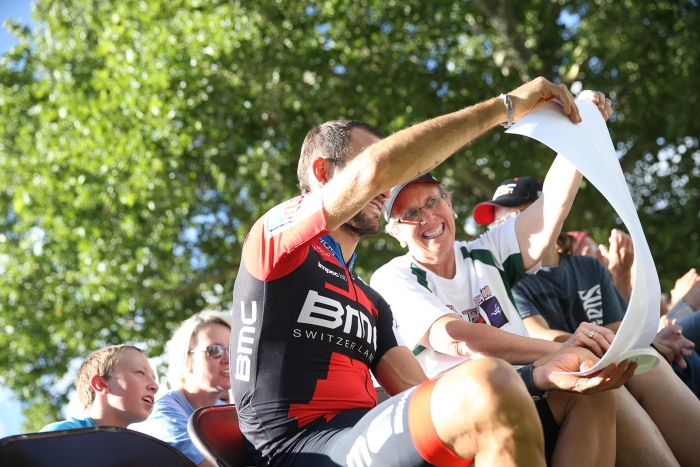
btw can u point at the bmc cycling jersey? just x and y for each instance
(306, 330)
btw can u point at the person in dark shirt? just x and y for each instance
(574, 294)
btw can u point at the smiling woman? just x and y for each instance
(424, 221)
(452, 302)
(198, 373)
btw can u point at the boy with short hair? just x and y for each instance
(116, 386)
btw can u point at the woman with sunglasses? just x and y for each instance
(198, 374)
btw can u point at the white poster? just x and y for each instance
(588, 147)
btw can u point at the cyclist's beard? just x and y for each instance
(362, 225)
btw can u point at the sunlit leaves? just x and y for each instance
(139, 140)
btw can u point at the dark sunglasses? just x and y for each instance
(213, 351)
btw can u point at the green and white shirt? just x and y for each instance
(480, 292)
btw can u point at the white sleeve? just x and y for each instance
(399, 337)
(415, 308)
(502, 242)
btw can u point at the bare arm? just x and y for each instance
(399, 370)
(687, 288)
(537, 327)
(598, 341)
(539, 225)
(620, 258)
(416, 150)
(452, 335)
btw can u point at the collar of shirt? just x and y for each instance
(329, 242)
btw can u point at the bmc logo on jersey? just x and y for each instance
(328, 313)
(246, 342)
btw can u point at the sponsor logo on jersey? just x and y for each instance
(281, 215)
(337, 274)
(359, 334)
(328, 246)
(323, 252)
(246, 342)
(593, 304)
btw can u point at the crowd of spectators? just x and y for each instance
(116, 385)
(523, 293)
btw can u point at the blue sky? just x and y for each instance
(10, 414)
(12, 9)
(10, 410)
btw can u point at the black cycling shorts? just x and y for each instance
(550, 427)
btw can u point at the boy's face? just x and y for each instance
(132, 387)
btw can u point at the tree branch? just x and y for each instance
(480, 186)
(500, 15)
(189, 288)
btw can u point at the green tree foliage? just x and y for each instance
(139, 140)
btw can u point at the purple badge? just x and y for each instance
(494, 312)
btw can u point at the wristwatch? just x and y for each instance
(526, 375)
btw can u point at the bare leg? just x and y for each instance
(587, 428)
(639, 442)
(674, 409)
(482, 411)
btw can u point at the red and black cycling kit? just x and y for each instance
(306, 331)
